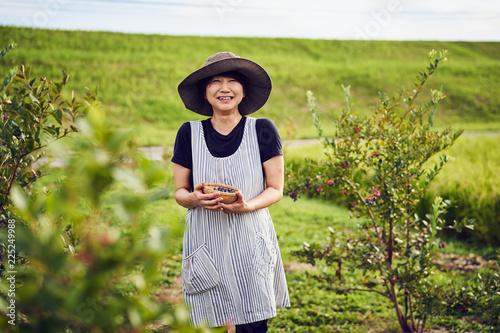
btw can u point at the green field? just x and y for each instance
(137, 75)
(319, 306)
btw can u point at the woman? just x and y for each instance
(232, 270)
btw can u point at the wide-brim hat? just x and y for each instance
(257, 83)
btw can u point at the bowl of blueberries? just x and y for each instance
(227, 192)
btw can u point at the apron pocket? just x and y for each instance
(198, 271)
(265, 256)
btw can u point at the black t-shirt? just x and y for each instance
(225, 145)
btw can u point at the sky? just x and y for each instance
(444, 20)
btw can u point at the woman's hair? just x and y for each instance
(202, 85)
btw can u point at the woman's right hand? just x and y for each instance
(188, 199)
(211, 201)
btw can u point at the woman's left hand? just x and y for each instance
(274, 174)
(237, 207)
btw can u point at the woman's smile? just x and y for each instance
(224, 93)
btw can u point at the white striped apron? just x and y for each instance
(232, 270)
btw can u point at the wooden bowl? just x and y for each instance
(227, 192)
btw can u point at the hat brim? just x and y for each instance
(257, 89)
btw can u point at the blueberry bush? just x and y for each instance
(380, 165)
(33, 115)
(77, 253)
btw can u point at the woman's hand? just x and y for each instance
(239, 206)
(187, 199)
(211, 201)
(274, 174)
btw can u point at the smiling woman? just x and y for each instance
(231, 257)
(224, 92)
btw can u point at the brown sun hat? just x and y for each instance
(257, 83)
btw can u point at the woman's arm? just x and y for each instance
(274, 170)
(187, 199)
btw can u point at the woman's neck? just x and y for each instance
(224, 124)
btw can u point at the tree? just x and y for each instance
(381, 165)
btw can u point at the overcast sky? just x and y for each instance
(451, 20)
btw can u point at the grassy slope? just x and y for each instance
(138, 75)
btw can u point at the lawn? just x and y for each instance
(318, 306)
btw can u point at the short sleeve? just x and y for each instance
(269, 139)
(182, 147)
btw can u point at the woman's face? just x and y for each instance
(224, 94)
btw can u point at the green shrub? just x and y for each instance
(66, 265)
(381, 165)
(470, 183)
(83, 273)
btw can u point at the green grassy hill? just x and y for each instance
(138, 75)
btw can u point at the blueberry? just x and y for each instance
(223, 189)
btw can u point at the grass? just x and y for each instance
(470, 181)
(306, 220)
(316, 306)
(137, 75)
